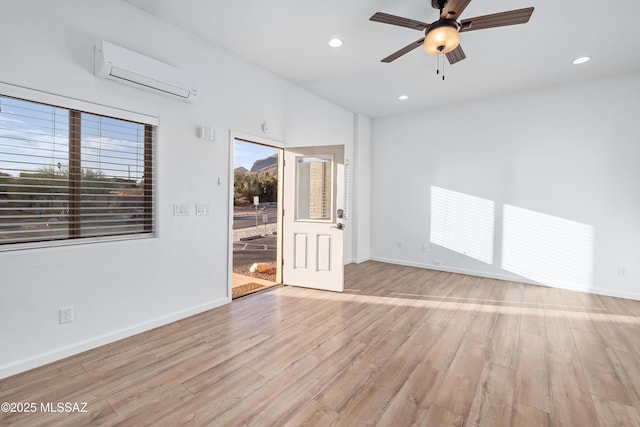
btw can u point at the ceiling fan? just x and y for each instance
(441, 36)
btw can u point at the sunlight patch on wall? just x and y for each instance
(462, 223)
(547, 249)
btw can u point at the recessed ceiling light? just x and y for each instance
(403, 97)
(581, 60)
(335, 42)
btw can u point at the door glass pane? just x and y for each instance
(314, 185)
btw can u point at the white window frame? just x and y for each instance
(61, 101)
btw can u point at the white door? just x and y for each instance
(312, 222)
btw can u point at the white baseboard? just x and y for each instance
(507, 277)
(613, 293)
(91, 343)
(451, 269)
(361, 260)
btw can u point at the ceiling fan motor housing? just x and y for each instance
(438, 4)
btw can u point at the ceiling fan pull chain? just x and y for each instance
(442, 67)
(437, 64)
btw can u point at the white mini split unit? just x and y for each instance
(133, 69)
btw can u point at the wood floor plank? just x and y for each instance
(494, 396)
(446, 345)
(591, 346)
(503, 344)
(484, 323)
(604, 382)
(632, 306)
(525, 416)
(572, 401)
(395, 372)
(532, 321)
(367, 407)
(109, 385)
(43, 377)
(226, 393)
(272, 363)
(627, 368)
(219, 372)
(558, 334)
(609, 329)
(442, 417)
(149, 404)
(514, 292)
(360, 374)
(533, 383)
(463, 375)
(615, 414)
(631, 331)
(402, 346)
(282, 407)
(245, 410)
(411, 403)
(333, 367)
(311, 414)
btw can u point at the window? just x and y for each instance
(67, 174)
(314, 184)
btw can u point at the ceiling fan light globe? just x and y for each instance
(442, 38)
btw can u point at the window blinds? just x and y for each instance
(67, 174)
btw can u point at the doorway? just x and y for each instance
(257, 229)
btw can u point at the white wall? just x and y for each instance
(540, 186)
(121, 288)
(361, 200)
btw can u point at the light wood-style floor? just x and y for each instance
(401, 346)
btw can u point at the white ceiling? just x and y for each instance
(289, 38)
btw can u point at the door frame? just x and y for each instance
(257, 140)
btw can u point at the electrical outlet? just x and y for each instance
(622, 271)
(66, 314)
(436, 262)
(399, 244)
(425, 247)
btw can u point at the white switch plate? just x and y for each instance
(202, 209)
(180, 209)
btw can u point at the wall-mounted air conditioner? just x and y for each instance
(133, 69)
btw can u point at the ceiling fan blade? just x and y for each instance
(385, 18)
(408, 48)
(512, 17)
(456, 55)
(454, 8)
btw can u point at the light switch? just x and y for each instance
(202, 209)
(181, 209)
